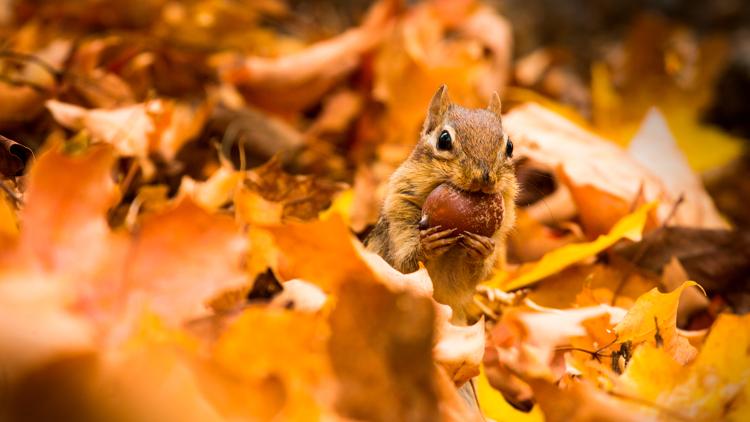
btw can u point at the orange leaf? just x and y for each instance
(656, 313)
(182, 257)
(64, 220)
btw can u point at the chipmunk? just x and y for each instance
(468, 149)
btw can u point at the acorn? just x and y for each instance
(453, 208)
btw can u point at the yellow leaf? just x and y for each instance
(656, 313)
(705, 147)
(494, 406)
(713, 387)
(629, 227)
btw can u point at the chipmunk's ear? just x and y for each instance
(438, 106)
(495, 105)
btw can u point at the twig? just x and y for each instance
(595, 354)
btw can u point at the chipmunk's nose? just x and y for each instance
(483, 182)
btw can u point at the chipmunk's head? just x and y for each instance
(468, 147)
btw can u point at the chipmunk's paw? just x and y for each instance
(478, 248)
(434, 241)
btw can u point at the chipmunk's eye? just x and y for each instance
(444, 142)
(509, 149)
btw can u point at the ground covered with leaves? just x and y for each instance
(186, 186)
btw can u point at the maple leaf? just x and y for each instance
(691, 390)
(653, 318)
(65, 213)
(629, 227)
(181, 258)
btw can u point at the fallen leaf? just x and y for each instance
(30, 83)
(258, 134)
(393, 361)
(604, 181)
(300, 296)
(662, 65)
(591, 285)
(181, 258)
(629, 227)
(36, 324)
(532, 239)
(716, 259)
(580, 401)
(693, 391)
(692, 300)
(248, 349)
(65, 213)
(494, 405)
(653, 319)
(339, 110)
(13, 157)
(301, 197)
(341, 261)
(537, 335)
(459, 349)
(655, 148)
(128, 128)
(159, 125)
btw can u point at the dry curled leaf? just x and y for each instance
(13, 157)
(300, 197)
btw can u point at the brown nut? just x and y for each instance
(452, 208)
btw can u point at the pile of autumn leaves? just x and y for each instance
(129, 303)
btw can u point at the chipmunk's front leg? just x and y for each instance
(405, 246)
(478, 248)
(436, 241)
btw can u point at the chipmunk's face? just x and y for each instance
(468, 146)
